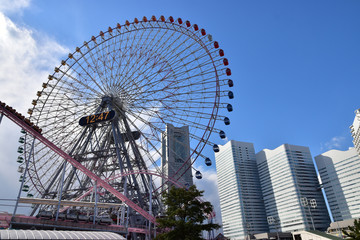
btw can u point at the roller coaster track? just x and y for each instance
(30, 128)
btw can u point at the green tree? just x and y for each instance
(354, 231)
(185, 215)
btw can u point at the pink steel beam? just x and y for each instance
(148, 172)
(76, 164)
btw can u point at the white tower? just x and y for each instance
(355, 131)
(340, 176)
(242, 207)
(291, 190)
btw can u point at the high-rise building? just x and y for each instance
(340, 176)
(242, 207)
(291, 190)
(176, 152)
(355, 131)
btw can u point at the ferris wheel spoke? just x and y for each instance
(183, 120)
(68, 88)
(153, 128)
(177, 88)
(164, 54)
(37, 173)
(153, 59)
(40, 174)
(126, 59)
(205, 115)
(195, 75)
(179, 119)
(107, 69)
(176, 60)
(150, 157)
(193, 98)
(208, 142)
(77, 81)
(180, 57)
(87, 72)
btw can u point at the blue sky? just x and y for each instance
(295, 64)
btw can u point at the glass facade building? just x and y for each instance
(175, 151)
(241, 202)
(355, 131)
(340, 176)
(291, 190)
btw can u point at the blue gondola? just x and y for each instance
(226, 121)
(198, 175)
(231, 94)
(229, 107)
(222, 134)
(207, 162)
(230, 83)
(216, 148)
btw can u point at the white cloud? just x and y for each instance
(11, 6)
(334, 143)
(26, 60)
(208, 183)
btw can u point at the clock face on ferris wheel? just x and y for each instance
(97, 118)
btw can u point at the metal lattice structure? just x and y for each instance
(148, 73)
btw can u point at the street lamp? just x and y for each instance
(313, 204)
(248, 230)
(337, 222)
(271, 221)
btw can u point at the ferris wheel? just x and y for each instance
(108, 104)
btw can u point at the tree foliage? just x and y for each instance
(354, 231)
(185, 215)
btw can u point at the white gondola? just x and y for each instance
(20, 150)
(21, 178)
(20, 159)
(25, 188)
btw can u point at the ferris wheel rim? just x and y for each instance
(212, 120)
